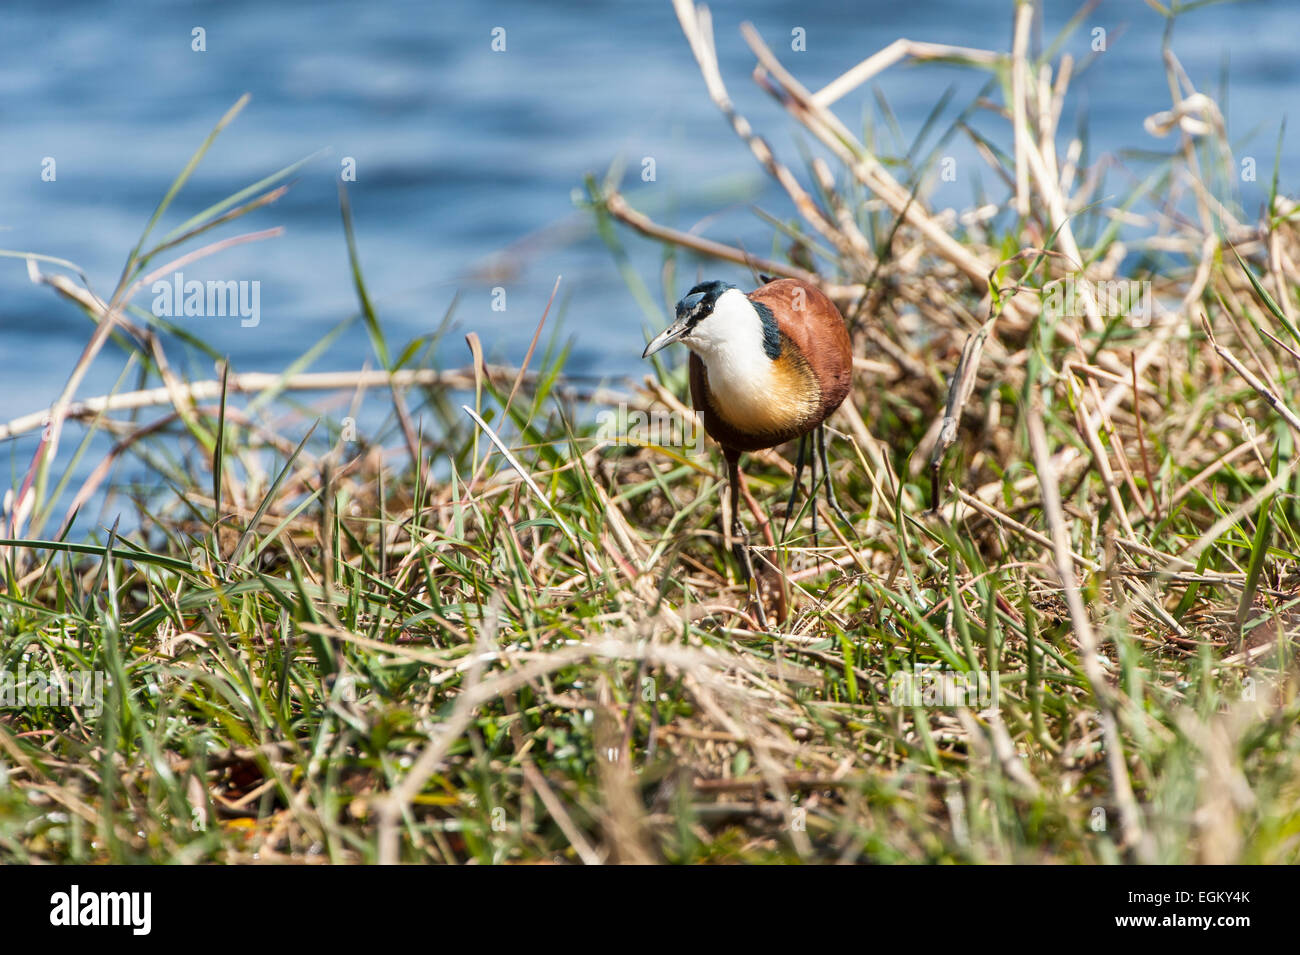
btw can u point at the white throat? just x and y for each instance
(730, 343)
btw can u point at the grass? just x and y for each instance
(481, 632)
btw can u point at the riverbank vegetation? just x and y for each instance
(1060, 626)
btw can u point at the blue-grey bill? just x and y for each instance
(672, 333)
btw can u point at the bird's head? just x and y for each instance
(713, 317)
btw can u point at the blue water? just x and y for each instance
(467, 158)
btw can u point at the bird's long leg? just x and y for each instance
(765, 527)
(812, 492)
(826, 476)
(794, 488)
(739, 539)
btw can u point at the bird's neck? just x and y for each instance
(758, 395)
(737, 340)
(758, 382)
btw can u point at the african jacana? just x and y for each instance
(765, 368)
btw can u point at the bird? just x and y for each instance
(766, 367)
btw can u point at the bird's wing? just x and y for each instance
(814, 326)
